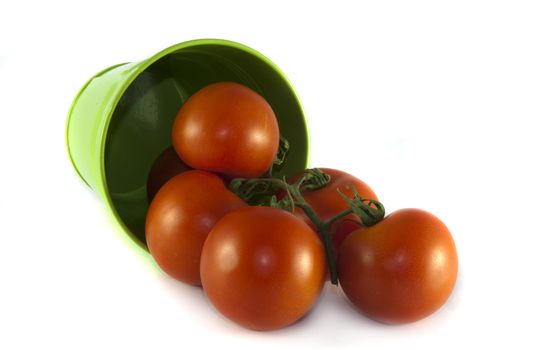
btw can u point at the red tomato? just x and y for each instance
(180, 216)
(166, 166)
(401, 269)
(327, 202)
(263, 268)
(227, 128)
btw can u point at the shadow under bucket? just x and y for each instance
(121, 120)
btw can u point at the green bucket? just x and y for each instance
(121, 120)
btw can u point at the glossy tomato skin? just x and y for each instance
(167, 165)
(180, 217)
(327, 202)
(227, 128)
(401, 269)
(262, 267)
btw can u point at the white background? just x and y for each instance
(434, 104)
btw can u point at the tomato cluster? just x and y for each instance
(264, 266)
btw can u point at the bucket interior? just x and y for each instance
(140, 128)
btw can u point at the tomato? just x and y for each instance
(179, 218)
(400, 270)
(262, 267)
(227, 128)
(327, 202)
(166, 166)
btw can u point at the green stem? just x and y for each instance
(338, 217)
(322, 228)
(369, 211)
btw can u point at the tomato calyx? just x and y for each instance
(255, 192)
(261, 191)
(369, 211)
(282, 152)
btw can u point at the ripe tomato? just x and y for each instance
(227, 128)
(400, 270)
(327, 202)
(179, 218)
(166, 166)
(262, 267)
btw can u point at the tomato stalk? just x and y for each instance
(282, 152)
(370, 211)
(262, 191)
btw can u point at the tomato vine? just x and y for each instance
(262, 191)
